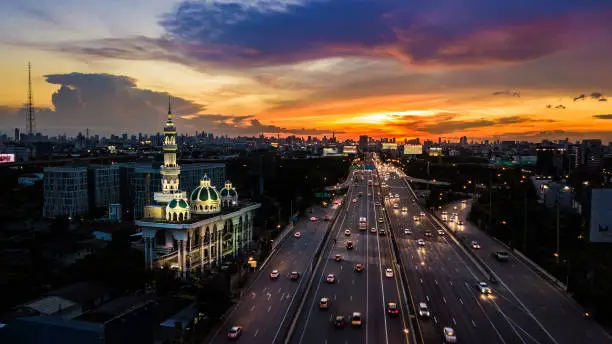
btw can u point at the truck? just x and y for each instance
(502, 256)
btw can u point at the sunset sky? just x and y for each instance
(521, 69)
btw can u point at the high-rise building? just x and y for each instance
(363, 143)
(65, 191)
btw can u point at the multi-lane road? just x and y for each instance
(267, 304)
(552, 307)
(366, 292)
(445, 276)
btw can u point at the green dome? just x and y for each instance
(228, 192)
(204, 193)
(180, 203)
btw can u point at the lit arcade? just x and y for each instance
(199, 231)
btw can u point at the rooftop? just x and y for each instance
(201, 217)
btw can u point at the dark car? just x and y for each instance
(234, 333)
(359, 267)
(339, 321)
(392, 309)
(294, 276)
(349, 245)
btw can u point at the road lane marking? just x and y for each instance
(460, 300)
(489, 320)
(340, 267)
(256, 332)
(269, 308)
(427, 297)
(252, 308)
(435, 320)
(279, 289)
(454, 322)
(443, 299)
(473, 323)
(436, 282)
(421, 280)
(451, 283)
(334, 297)
(351, 297)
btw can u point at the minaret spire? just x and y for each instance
(169, 108)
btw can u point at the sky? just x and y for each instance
(521, 69)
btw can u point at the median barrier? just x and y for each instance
(538, 269)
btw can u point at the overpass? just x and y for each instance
(426, 181)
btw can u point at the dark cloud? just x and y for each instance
(507, 93)
(605, 116)
(602, 99)
(580, 97)
(593, 95)
(559, 107)
(107, 104)
(444, 32)
(443, 124)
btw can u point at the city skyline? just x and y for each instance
(380, 68)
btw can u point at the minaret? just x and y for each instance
(170, 171)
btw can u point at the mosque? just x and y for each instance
(199, 231)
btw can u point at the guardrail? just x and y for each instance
(313, 268)
(413, 321)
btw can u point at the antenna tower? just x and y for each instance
(30, 119)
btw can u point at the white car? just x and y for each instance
(407, 231)
(440, 232)
(331, 278)
(354, 200)
(274, 274)
(422, 214)
(297, 234)
(347, 232)
(388, 272)
(484, 288)
(395, 206)
(313, 219)
(421, 242)
(449, 335)
(475, 245)
(373, 230)
(423, 310)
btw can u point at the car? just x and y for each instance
(324, 303)
(338, 258)
(313, 218)
(327, 218)
(274, 274)
(377, 204)
(395, 206)
(297, 235)
(422, 214)
(463, 201)
(428, 233)
(423, 310)
(349, 245)
(502, 256)
(440, 232)
(460, 223)
(354, 200)
(449, 335)
(421, 242)
(484, 288)
(388, 272)
(356, 319)
(380, 220)
(347, 232)
(392, 308)
(415, 218)
(294, 276)
(407, 231)
(369, 194)
(339, 321)
(404, 210)
(396, 195)
(358, 267)
(386, 198)
(373, 230)
(331, 278)
(382, 232)
(475, 245)
(235, 332)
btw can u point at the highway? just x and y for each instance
(553, 308)
(444, 276)
(266, 304)
(366, 292)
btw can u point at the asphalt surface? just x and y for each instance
(265, 308)
(366, 292)
(444, 276)
(553, 308)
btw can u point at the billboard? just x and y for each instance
(330, 151)
(601, 215)
(413, 149)
(350, 149)
(390, 146)
(5, 158)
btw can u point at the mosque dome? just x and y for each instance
(229, 195)
(177, 210)
(205, 198)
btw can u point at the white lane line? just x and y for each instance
(473, 323)
(454, 322)
(444, 299)
(427, 297)
(451, 283)
(489, 320)
(353, 281)
(341, 224)
(252, 308)
(460, 300)
(340, 267)
(256, 333)
(279, 289)
(436, 282)
(269, 308)
(421, 280)
(351, 297)
(334, 297)
(510, 322)
(435, 320)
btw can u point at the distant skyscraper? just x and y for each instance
(30, 119)
(363, 143)
(16, 134)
